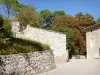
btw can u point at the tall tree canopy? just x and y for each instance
(77, 23)
(28, 15)
(59, 13)
(98, 21)
(5, 26)
(10, 5)
(47, 16)
(84, 20)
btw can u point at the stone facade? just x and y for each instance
(56, 41)
(26, 63)
(93, 42)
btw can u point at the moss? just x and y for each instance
(17, 45)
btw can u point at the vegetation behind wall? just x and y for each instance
(10, 45)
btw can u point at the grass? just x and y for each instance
(17, 45)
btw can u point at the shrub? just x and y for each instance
(3, 30)
(17, 45)
(7, 27)
(1, 24)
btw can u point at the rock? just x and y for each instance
(27, 63)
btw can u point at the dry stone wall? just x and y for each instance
(27, 63)
(56, 41)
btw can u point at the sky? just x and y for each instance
(71, 7)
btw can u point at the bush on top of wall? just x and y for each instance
(17, 45)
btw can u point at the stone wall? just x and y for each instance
(93, 44)
(56, 41)
(26, 63)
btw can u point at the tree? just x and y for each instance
(5, 26)
(28, 15)
(59, 13)
(47, 16)
(84, 20)
(98, 21)
(77, 24)
(10, 5)
(19, 6)
(1, 24)
(65, 21)
(65, 24)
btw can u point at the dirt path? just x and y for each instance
(77, 67)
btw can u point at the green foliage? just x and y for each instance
(16, 45)
(98, 21)
(48, 27)
(76, 41)
(3, 39)
(68, 31)
(9, 45)
(7, 27)
(28, 15)
(59, 13)
(1, 24)
(47, 16)
(70, 47)
(10, 6)
(19, 6)
(70, 37)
